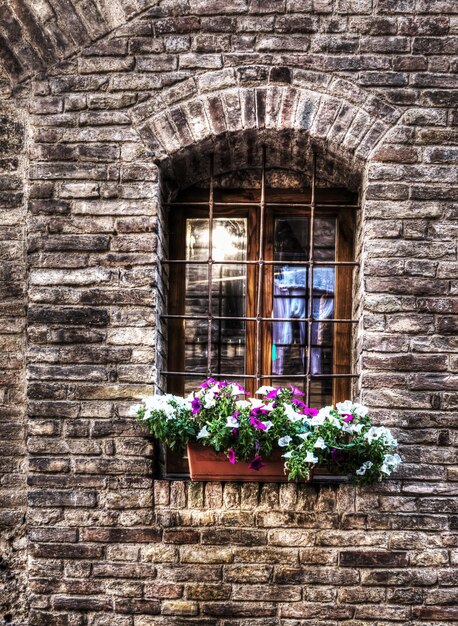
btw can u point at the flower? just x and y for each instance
(365, 466)
(360, 410)
(344, 407)
(196, 406)
(348, 417)
(268, 424)
(264, 390)
(319, 443)
(284, 441)
(242, 404)
(256, 463)
(292, 415)
(273, 394)
(208, 383)
(296, 391)
(203, 432)
(134, 409)
(257, 423)
(232, 421)
(311, 458)
(390, 463)
(232, 456)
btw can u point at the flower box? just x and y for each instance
(272, 438)
(207, 465)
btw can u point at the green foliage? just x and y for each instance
(341, 438)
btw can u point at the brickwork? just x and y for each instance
(122, 103)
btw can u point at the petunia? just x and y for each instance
(264, 390)
(232, 422)
(296, 391)
(284, 441)
(311, 458)
(268, 424)
(208, 383)
(320, 443)
(257, 423)
(348, 417)
(344, 407)
(273, 394)
(232, 456)
(256, 463)
(203, 432)
(196, 406)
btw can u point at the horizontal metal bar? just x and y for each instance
(237, 203)
(263, 376)
(260, 319)
(249, 262)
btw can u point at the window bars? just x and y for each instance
(258, 376)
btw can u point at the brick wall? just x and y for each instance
(141, 97)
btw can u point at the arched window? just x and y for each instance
(260, 288)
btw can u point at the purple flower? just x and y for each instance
(241, 389)
(348, 417)
(196, 406)
(257, 423)
(236, 414)
(259, 411)
(208, 383)
(337, 455)
(274, 393)
(296, 391)
(232, 456)
(311, 412)
(256, 463)
(299, 404)
(235, 432)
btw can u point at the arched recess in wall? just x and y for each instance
(288, 145)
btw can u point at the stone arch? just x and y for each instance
(287, 109)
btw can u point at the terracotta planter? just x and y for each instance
(206, 464)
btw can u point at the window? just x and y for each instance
(260, 284)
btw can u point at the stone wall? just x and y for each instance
(130, 114)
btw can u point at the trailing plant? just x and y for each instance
(220, 415)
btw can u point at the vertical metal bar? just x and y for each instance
(310, 290)
(260, 269)
(210, 270)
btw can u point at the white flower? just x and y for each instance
(344, 407)
(234, 389)
(257, 403)
(357, 428)
(304, 436)
(268, 424)
(209, 401)
(203, 432)
(284, 441)
(319, 443)
(318, 420)
(134, 409)
(264, 390)
(293, 415)
(365, 466)
(311, 458)
(232, 422)
(390, 463)
(360, 410)
(287, 455)
(242, 404)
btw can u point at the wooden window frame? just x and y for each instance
(261, 208)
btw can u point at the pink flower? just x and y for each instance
(296, 391)
(348, 417)
(232, 456)
(311, 412)
(256, 463)
(257, 423)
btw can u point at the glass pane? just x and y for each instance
(228, 296)
(291, 239)
(324, 247)
(291, 297)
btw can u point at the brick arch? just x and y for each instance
(290, 114)
(34, 35)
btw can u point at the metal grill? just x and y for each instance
(259, 377)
